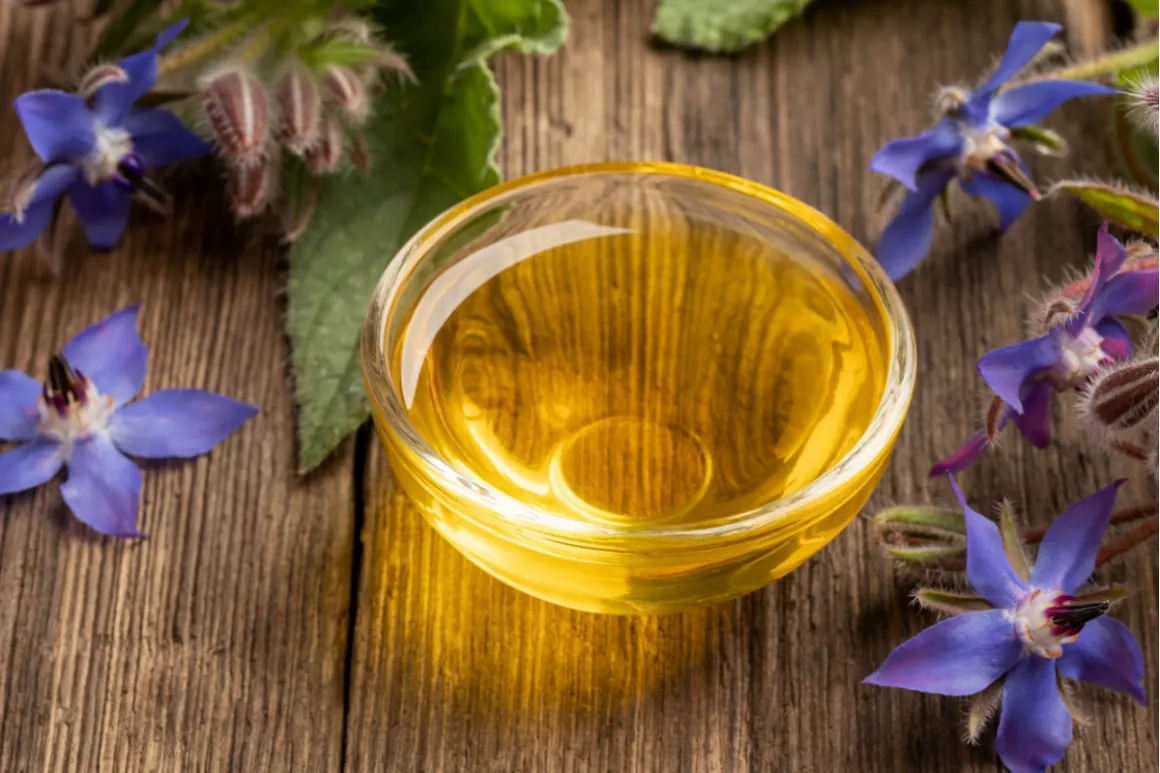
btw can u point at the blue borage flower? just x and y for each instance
(1082, 340)
(1038, 630)
(971, 144)
(82, 417)
(98, 149)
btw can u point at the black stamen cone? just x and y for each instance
(1007, 169)
(152, 194)
(1070, 617)
(63, 382)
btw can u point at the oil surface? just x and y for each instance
(671, 375)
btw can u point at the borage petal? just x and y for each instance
(113, 101)
(1009, 200)
(1035, 725)
(160, 138)
(957, 656)
(1024, 105)
(177, 423)
(15, 234)
(963, 457)
(907, 239)
(1067, 555)
(19, 412)
(1129, 293)
(103, 211)
(29, 465)
(112, 354)
(1106, 653)
(989, 571)
(59, 125)
(902, 159)
(103, 488)
(20, 232)
(1009, 368)
(1035, 421)
(1117, 342)
(1026, 40)
(1110, 257)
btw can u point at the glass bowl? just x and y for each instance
(588, 553)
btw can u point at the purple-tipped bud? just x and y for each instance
(300, 106)
(236, 104)
(326, 154)
(252, 188)
(1121, 401)
(346, 89)
(99, 77)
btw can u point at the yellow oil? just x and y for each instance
(668, 377)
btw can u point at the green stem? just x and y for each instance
(207, 46)
(1108, 64)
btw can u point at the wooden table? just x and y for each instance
(274, 623)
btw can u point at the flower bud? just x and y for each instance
(347, 90)
(252, 188)
(236, 104)
(98, 77)
(1120, 402)
(324, 157)
(300, 106)
(923, 538)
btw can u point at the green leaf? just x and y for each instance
(1148, 8)
(722, 26)
(121, 29)
(433, 145)
(1134, 210)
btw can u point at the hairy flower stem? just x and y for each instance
(1034, 535)
(207, 46)
(1128, 540)
(1101, 67)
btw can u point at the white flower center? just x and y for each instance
(981, 144)
(66, 418)
(1080, 357)
(1038, 633)
(109, 149)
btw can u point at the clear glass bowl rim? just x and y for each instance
(874, 442)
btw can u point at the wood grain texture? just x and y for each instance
(219, 643)
(453, 671)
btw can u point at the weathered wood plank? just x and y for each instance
(219, 643)
(453, 671)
